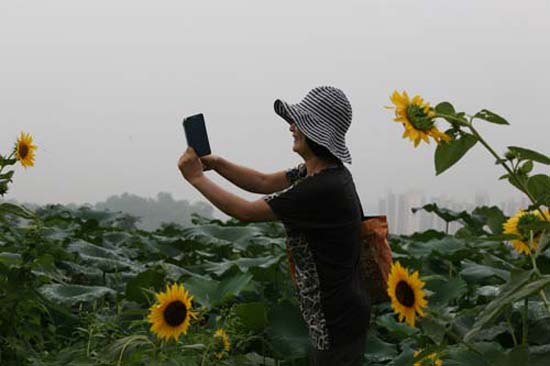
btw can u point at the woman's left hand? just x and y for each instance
(190, 165)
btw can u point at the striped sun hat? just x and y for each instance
(324, 116)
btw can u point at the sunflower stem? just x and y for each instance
(458, 121)
(205, 353)
(524, 320)
(511, 330)
(505, 166)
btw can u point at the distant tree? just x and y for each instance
(154, 212)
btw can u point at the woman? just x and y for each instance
(318, 205)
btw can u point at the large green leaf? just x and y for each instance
(108, 260)
(480, 354)
(539, 186)
(519, 287)
(17, 210)
(494, 217)
(518, 356)
(445, 289)
(377, 350)
(219, 268)
(151, 279)
(539, 355)
(211, 293)
(253, 316)
(395, 328)
(449, 153)
(288, 333)
(523, 153)
(69, 295)
(474, 221)
(489, 116)
(236, 236)
(475, 272)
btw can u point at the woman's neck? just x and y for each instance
(315, 165)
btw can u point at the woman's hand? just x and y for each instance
(209, 161)
(190, 165)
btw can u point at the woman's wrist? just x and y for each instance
(217, 162)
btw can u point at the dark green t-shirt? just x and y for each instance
(322, 217)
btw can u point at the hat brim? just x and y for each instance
(283, 110)
(294, 114)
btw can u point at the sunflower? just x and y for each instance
(417, 117)
(405, 291)
(516, 225)
(170, 316)
(24, 150)
(431, 360)
(222, 343)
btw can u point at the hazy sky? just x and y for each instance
(103, 87)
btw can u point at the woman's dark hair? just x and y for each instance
(322, 152)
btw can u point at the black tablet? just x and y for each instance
(195, 133)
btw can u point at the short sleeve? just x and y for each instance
(296, 173)
(319, 202)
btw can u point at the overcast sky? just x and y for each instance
(103, 87)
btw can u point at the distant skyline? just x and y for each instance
(103, 87)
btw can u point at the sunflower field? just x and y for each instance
(86, 287)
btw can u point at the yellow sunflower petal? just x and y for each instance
(406, 294)
(170, 316)
(25, 150)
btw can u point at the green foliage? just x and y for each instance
(449, 153)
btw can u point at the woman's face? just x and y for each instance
(300, 145)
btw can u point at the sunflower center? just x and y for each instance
(404, 294)
(23, 150)
(526, 220)
(220, 344)
(175, 313)
(418, 118)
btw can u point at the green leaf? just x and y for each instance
(377, 350)
(489, 116)
(485, 354)
(518, 356)
(219, 268)
(445, 108)
(449, 153)
(108, 260)
(475, 272)
(494, 217)
(539, 186)
(527, 154)
(10, 259)
(539, 355)
(69, 295)
(252, 315)
(527, 167)
(7, 176)
(445, 289)
(240, 237)
(434, 328)
(152, 279)
(395, 328)
(4, 161)
(203, 290)
(516, 289)
(16, 210)
(288, 333)
(211, 293)
(404, 359)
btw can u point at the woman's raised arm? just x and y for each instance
(246, 178)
